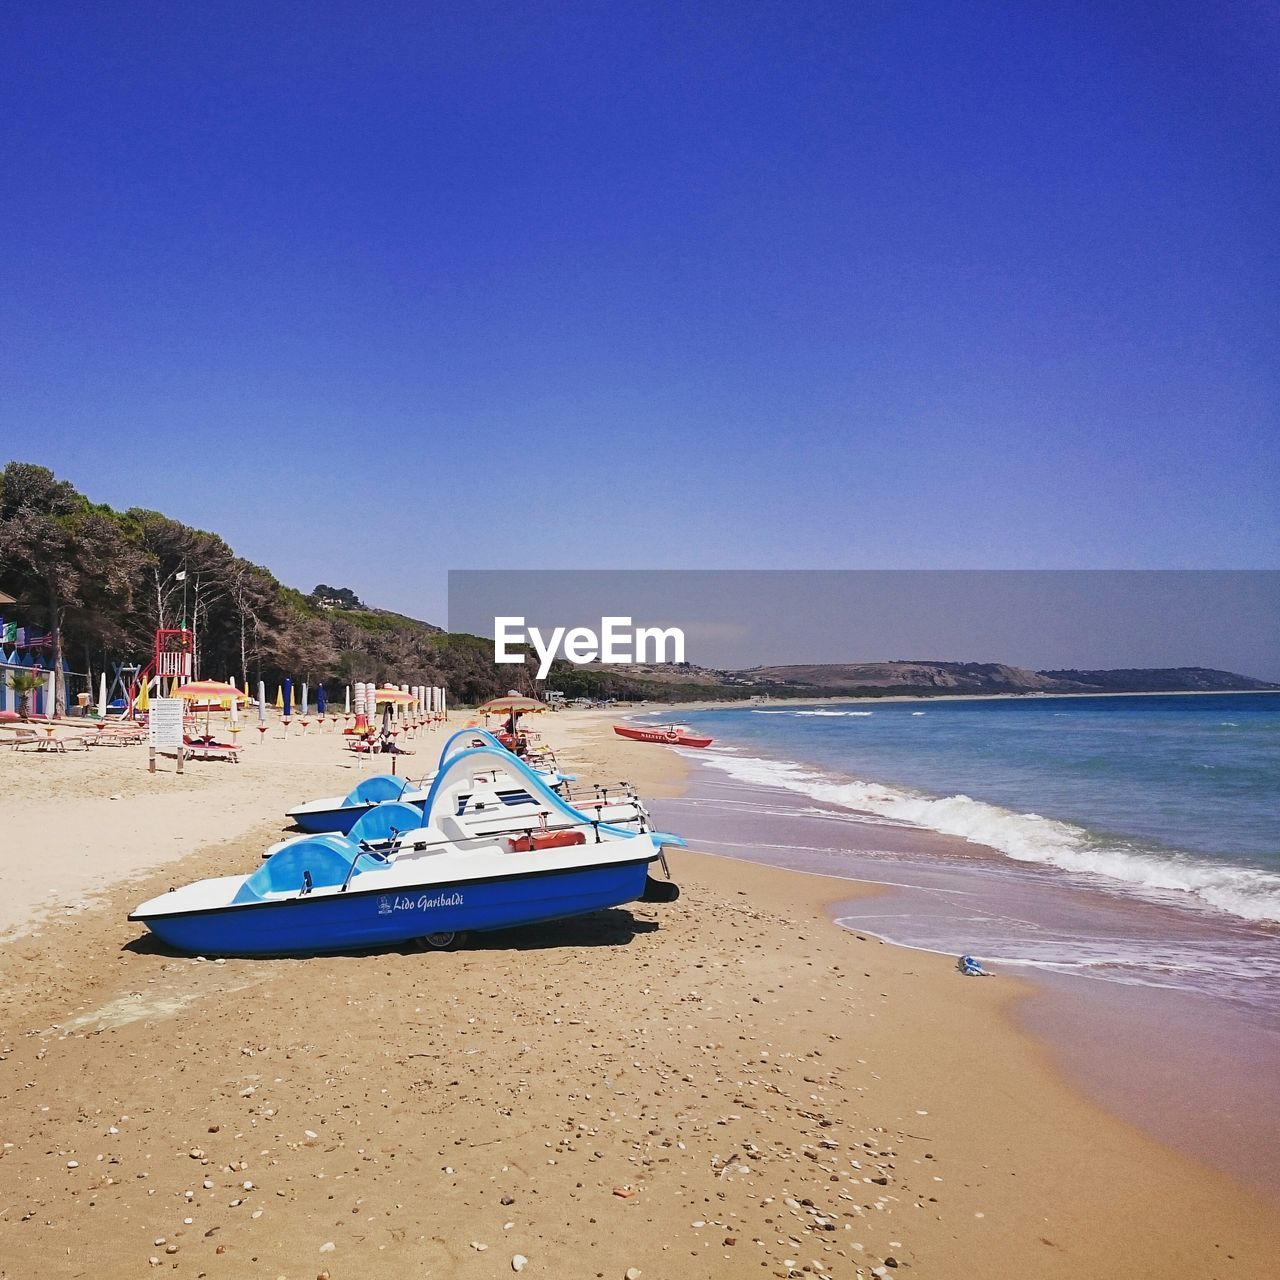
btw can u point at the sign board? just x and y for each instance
(164, 726)
(164, 729)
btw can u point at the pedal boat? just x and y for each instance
(341, 813)
(330, 893)
(492, 807)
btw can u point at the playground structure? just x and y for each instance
(172, 661)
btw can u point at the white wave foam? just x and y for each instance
(1247, 892)
(1190, 965)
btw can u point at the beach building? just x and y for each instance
(23, 649)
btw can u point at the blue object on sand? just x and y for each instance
(971, 968)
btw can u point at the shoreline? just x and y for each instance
(1099, 1033)
(629, 709)
(728, 1058)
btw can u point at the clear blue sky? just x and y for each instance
(378, 290)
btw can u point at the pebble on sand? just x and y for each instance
(518, 1261)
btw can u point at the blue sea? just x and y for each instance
(1177, 796)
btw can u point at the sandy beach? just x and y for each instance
(729, 1085)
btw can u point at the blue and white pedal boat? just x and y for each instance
(341, 813)
(329, 893)
(491, 806)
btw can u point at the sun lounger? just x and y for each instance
(119, 734)
(198, 749)
(39, 740)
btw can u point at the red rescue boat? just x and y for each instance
(674, 735)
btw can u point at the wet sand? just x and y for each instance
(1199, 1071)
(722, 1086)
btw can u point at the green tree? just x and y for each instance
(24, 684)
(69, 560)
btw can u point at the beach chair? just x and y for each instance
(120, 733)
(39, 740)
(201, 749)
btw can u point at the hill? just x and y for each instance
(931, 677)
(685, 682)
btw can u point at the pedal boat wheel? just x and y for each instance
(448, 941)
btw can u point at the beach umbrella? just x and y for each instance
(347, 709)
(209, 692)
(262, 701)
(279, 697)
(304, 702)
(102, 696)
(143, 701)
(393, 696)
(288, 697)
(321, 701)
(511, 702)
(514, 706)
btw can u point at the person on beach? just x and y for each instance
(387, 744)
